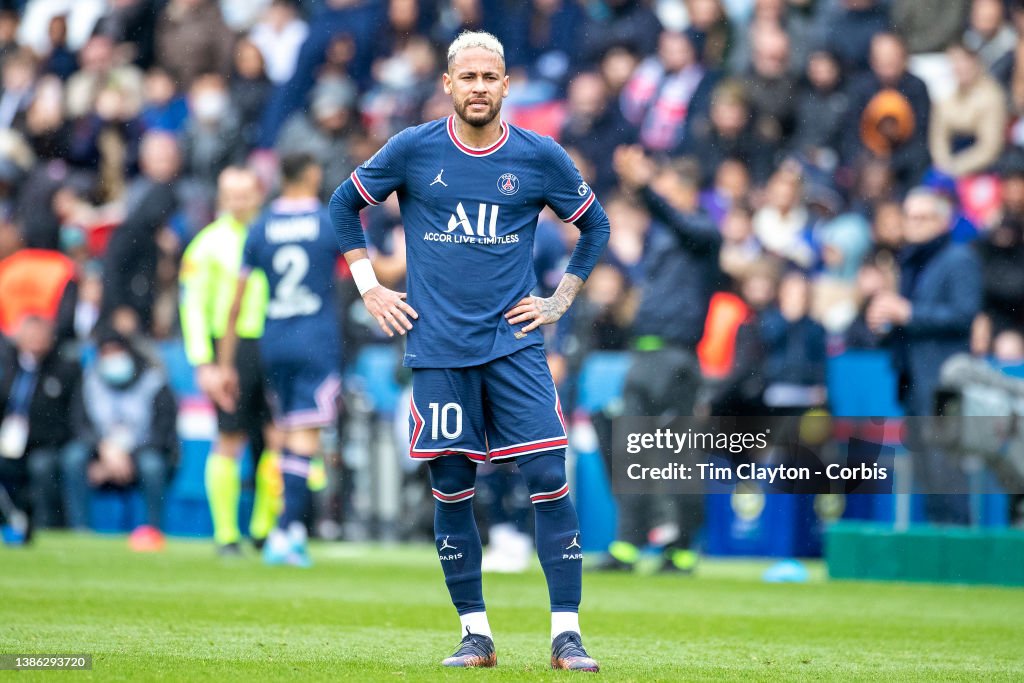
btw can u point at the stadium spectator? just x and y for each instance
(164, 108)
(845, 241)
(105, 141)
(929, 320)
(891, 109)
(771, 89)
(8, 30)
(34, 29)
(783, 224)
(794, 350)
(731, 185)
(594, 127)
(658, 97)
(241, 15)
(740, 248)
(741, 390)
(325, 132)
(349, 21)
(101, 67)
(627, 23)
(37, 282)
(821, 111)
(851, 29)
(130, 262)
(541, 38)
(726, 133)
(968, 128)
(192, 40)
(59, 60)
(250, 89)
(988, 34)
(18, 79)
(713, 30)
(279, 36)
(38, 389)
(213, 136)
(1001, 253)
(127, 422)
(680, 265)
(1004, 68)
(929, 26)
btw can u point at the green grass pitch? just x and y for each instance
(380, 613)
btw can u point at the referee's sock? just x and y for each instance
(223, 486)
(267, 496)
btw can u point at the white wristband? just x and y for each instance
(362, 273)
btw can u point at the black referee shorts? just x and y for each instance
(252, 411)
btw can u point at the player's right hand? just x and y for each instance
(208, 378)
(390, 310)
(225, 393)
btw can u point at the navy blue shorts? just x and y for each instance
(303, 394)
(505, 408)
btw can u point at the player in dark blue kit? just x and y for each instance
(293, 243)
(470, 188)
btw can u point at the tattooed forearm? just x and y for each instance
(558, 303)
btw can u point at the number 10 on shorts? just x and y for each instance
(440, 416)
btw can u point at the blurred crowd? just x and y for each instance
(785, 179)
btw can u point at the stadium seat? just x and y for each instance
(602, 379)
(862, 384)
(374, 374)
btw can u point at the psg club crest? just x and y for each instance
(508, 184)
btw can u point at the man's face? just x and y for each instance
(587, 95)
(159, 158)
(675, 51)
(986, 16)
(240, 195)
(921, 220)
(35, 337)
(888, 59)
(477, 83)
(1013, 194)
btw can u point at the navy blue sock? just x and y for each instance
(452, 480)
(558, 528)
(295, 472)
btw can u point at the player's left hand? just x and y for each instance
(538, 310)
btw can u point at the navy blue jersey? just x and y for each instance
(292, 242)
(470, 217)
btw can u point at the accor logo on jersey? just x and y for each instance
(485, 231)
(508, 184)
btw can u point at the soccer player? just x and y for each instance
(209, 274)
(470, 187)
(292, 243)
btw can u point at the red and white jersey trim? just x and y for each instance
(477, 151)
(580, 211)
(363, 192)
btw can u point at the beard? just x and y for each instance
(476, 119)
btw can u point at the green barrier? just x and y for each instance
(933, 554)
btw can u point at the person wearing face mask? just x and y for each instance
(37, 390)
(127, 417)
(213, 138)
